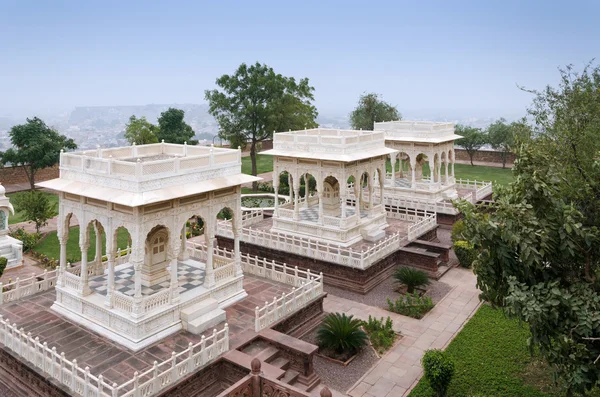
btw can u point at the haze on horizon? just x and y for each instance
(468, 56)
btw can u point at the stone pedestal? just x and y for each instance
(154, 274)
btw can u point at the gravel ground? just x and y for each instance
(377, 297)
(336, 376)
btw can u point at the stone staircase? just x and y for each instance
(274, 358)
(201, 316)
(427, 255)
(7, 252)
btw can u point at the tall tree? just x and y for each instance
(140, 131)
(255, 101)
(539, 246)
(370, 110)
(36, 146)
(172, 128)
(500, 136)
(472, 139)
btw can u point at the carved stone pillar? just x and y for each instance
(320, 195)
(85, 288)
(276, 191)
(446, 173)
(413, 166)
(210, 271)
(237, 233)
(452, 162)
(110, 281)
(137, 296)
(174, 281)
(357, 196)
(296, 194)
(63, 260)
(393, 160)
(306, 191)
(370, 185)
(98, 259)
(183, 253)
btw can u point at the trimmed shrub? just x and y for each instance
(458, 231)
(411, 277)
(465, 252)
(29, 239)
(3, 264)
(341, 333)
(411, 305)
(439, 369)
(381, 334)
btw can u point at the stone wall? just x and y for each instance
(15, 175)
(489, 156)
(357, 280)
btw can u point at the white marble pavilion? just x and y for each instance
(417, 143)
(335, 159)
(140, 294)
(10, 248)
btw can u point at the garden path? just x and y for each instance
(399, 370)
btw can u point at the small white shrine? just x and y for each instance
(336, 159)
(137, 295)
(10, 248)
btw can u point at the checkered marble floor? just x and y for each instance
(402, 182)
(190, 277)
(311, 214)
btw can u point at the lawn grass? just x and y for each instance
(50, 247)
(19, 216)
(264, 163)
(492, 359)
(501, 176)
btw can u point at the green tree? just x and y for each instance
(172, 128)
(140, 131)
(539, 245)
(255, 101)
(37, 208)
(500, 136)
(472, 139)
(36, 146)
(370, 110)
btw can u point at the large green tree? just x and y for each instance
(372, 109)
(500, 136)
(254, 102)
(472, 139)
(539, 244)
(140, 131)
(172, 128)
(35, 146)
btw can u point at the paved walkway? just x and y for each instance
(400, 369)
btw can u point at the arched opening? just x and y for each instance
(308, 187)
(364, 198)
(331, 197)
(156, 256)
(121, 251)
(421, 167)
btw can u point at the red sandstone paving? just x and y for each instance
(114, 362)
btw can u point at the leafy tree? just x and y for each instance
(254, 102)
(37, 208)
(539, 250)
(370, 110)
(172, 128)
(140, 131)
(36, 146)
(438, 368)
(472, 139)
(500, 136)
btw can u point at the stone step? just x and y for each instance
(280, 362)
(372, 233)
(268, 354)
(290, 377)
(191, 313)
(205, 321)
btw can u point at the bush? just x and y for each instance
(411, 277)
(411, 305)
(438, 368)
(465, 252)
(458, 231)
(3, 264)
(382, 335)
(29, 239)
(341, 333)
(36, 207)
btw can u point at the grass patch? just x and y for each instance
(19, 216)
(264, 163)
(490, 355)
(50, 247)
(501, 176)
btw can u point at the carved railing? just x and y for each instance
(481, 188)
(225, 272)
(80, 382)
(21, 288)
(426, 223)
(288, 303)
(72, 281)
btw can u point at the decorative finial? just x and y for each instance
(255, 366)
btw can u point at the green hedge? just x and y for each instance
(465, 252)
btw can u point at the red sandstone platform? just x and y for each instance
(114, 362)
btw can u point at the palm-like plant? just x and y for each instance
(341, 333)
(411, 277)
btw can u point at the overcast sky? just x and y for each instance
(419, 55)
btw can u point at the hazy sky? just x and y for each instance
(419, 55)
